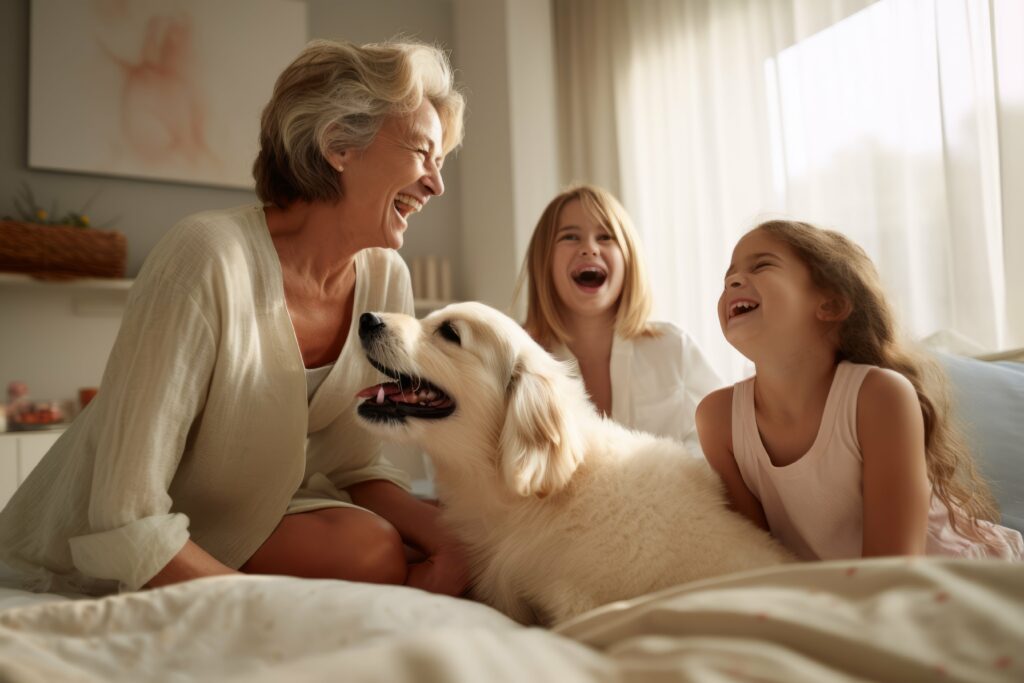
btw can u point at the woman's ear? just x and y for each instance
(540, 444)
(337, 159)
(834, 308)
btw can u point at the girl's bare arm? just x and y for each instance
(714, 426)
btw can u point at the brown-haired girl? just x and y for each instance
(588, 300)
(841, 444)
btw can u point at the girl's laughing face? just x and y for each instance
(587, 265)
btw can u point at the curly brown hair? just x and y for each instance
(870, 335)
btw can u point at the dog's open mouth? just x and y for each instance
(408, 396)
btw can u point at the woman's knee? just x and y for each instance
(336, 543)
(378, 554)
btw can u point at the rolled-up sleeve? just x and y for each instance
(153, 389)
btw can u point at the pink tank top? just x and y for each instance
(814, 506)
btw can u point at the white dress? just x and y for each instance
(657, 383)
(201, 428)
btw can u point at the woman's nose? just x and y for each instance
(434, 182)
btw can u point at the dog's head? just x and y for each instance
(469, 383)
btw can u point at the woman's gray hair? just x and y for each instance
(336, 96)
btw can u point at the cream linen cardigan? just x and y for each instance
(200, 426)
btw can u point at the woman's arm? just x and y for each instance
(445, 570)
(191, 562)
(714, 425)
(154, 386)
(890, 429)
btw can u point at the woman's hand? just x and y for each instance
(446, 567)
(444, 571)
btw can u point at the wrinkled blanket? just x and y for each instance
(869, 620)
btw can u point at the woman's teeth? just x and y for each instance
(408, 202)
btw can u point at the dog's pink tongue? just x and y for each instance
(370, 392)
(379, 391)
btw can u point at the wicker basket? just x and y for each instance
(59, 252)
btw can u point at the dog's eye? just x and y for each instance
(449, 332)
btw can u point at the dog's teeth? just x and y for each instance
(380, 394)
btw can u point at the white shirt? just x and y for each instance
(199, 429)
(657, 383)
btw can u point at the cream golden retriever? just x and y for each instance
(561, 509)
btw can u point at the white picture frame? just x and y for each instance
(167, 90)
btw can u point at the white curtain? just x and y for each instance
(878, 119)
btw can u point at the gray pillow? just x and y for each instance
(990, 404)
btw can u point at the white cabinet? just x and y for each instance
(19, 453)
(8, 467)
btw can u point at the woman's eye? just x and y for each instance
(564, 238)
(448, 331)
(759, 266)
(605, 238)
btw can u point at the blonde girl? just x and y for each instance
(588, 300)
(841, 444)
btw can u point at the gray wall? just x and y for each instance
(146, 209)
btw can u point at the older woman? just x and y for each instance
(223, 437)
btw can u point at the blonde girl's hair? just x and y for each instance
(336, 96)
(870, 336)
(544, 318)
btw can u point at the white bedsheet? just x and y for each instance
(878, 620)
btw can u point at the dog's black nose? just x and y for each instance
(369, 325)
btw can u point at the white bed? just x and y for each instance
(875, 620)
(865, 620)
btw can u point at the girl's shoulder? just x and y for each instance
(717, 402)
(714, 420)
(882, 389)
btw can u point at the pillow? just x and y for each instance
(990, 406)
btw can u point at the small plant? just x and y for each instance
(30, 211)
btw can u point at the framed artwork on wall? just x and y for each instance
(164, 90)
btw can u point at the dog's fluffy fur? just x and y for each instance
(561, 509)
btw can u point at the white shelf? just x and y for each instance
(81, 283)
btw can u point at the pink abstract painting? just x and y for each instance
(159, 89)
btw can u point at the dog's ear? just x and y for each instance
(541, 445)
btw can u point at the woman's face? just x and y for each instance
(587, 266)
(393, 177)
